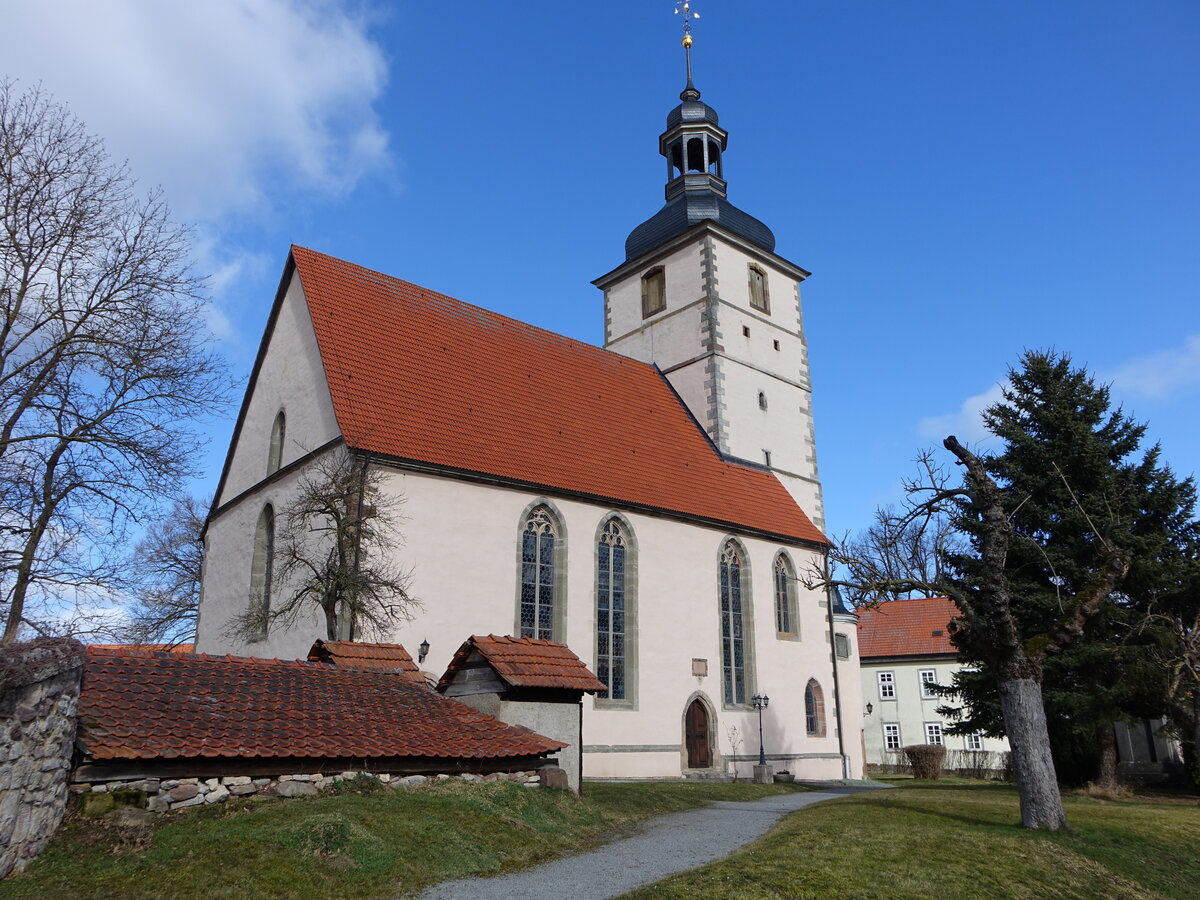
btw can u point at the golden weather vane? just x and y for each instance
(684, 7)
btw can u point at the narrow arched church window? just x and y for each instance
(785, 587)
(538, 540)
(814, 709)
(654, 292)
(278, 435)
(262, 565)
(611, 610)
(733, 635)
(759, 298)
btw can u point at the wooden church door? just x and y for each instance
(695, 730)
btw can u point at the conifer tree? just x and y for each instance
(1057, 526)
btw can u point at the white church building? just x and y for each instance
(654, 504)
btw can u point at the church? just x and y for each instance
(653, 504)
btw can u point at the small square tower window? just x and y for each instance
(745, 331)
(654, 292)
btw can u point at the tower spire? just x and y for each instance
(685, 7)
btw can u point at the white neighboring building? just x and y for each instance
(652, 505)
(904, 648)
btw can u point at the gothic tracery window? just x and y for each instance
(611, 611)
(538, 545)
(814, 709)
(784, 588)
(733, 639)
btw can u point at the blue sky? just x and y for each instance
(964, 180)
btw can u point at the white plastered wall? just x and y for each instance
(292, 379)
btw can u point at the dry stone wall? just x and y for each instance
(39, 693)
(170, 794)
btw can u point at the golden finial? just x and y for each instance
(685, 7)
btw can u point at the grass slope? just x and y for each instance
(355, 845)
(961, 841)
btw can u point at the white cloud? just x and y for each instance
(221, 102)
(1160, 375)
(966, 424)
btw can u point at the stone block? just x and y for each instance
(159, 804)
(211, 783)
(261, 782)
(443, 777)
(95, 805)
(763, 775)
(554, 777)
(182, 792)
(235, 780)
(129, 797)
(294, 789)
(149, 785)
(241, 790)
(128, 817)
(532, 784)
(385, 778)
(218, 794)
(184, 804)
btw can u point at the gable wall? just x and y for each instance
(290, 378)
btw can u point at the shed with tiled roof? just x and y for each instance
(153, 712)
(366, 655)
(530, 681)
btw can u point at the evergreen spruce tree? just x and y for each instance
(1093, 531)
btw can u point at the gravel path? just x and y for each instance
(664, 846)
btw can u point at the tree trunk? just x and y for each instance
(1193, 770)
(1106, 737)
(1033, 766)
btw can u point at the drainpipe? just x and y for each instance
(837, 697)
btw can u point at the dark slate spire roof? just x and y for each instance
(695, 193)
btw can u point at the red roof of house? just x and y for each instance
(915, 627)
(157, 705)
(388, 657)
(526, 662)
(420, 376)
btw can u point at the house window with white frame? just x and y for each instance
(887, 685)
(973, 743)
(891, 736)
(929, 684)
(933, 733)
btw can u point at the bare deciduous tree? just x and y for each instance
(164, 577)
(335, 553)
(103, 359)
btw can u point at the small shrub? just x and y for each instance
(359, 784)
(982, 764)
(1098, 791)
(926, 760)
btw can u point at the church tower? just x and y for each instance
(703, 295)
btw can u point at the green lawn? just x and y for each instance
(960, 841)
(370, 845)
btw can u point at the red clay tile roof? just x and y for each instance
(142, 648)
(527, 662)
(421, 376)
(389, 657)
(160, 706)
(915, 627)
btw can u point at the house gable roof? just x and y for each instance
(915, 627)
(381, 657)
(421, 377)
(526, 662)
(156, 705)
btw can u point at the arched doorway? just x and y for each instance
(696, 733)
